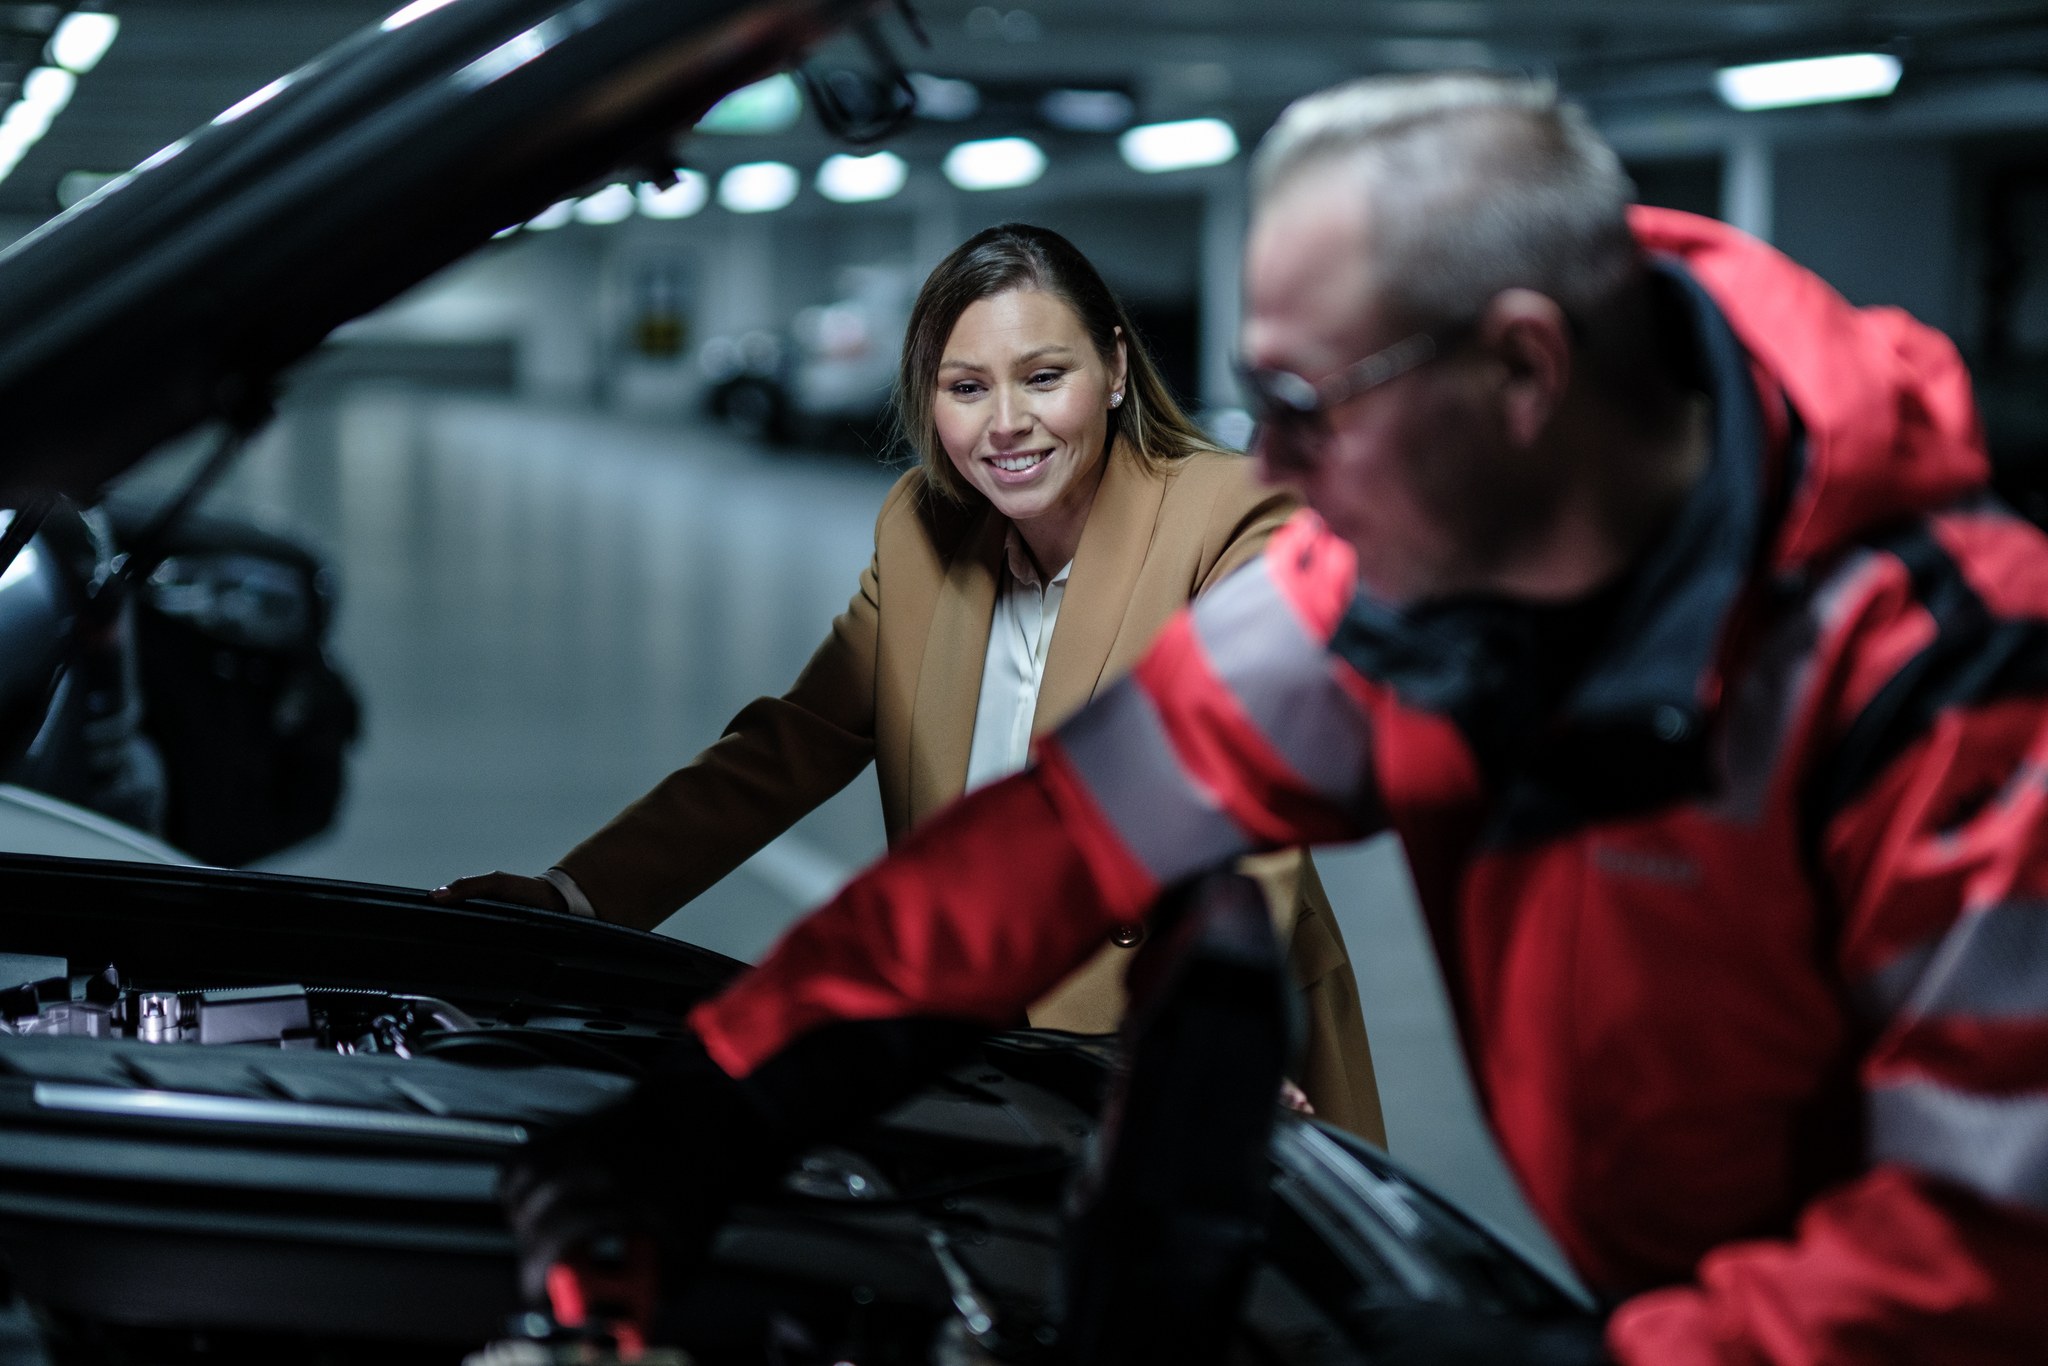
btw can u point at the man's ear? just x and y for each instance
(1528, 334)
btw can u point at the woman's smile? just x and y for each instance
(1017, 467)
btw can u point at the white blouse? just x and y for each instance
(1019, 637)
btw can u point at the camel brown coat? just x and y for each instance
(897, 682)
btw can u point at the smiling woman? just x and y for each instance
(1022, 410)
(1063, 507)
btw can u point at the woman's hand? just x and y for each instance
(516, 888)
(1293, 1098)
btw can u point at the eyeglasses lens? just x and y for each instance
(1285, 409)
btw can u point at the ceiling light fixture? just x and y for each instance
(846, 179)
(1087, 111)
(74, 186)
(77, 44)
(995, 164)
(1808, 80)
(553, 216)
(81, 39)
(758, 187)
(944, 99)
(1180, 146)
(44, 93)
(770, 106)
(687, 196)
(612, 204)
(46, 90)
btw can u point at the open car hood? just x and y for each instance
(177, 294)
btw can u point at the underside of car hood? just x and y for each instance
(179, 292)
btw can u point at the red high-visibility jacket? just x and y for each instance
(1739, 874)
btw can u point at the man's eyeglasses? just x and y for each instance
(1290, 410)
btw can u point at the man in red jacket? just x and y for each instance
(1653, 596)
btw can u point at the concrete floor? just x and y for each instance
(545, 611)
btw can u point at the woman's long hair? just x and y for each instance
(1150, 423)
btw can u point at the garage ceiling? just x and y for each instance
(178, 62)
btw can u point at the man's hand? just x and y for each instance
(516, 888)
(572, 1192)
(663, 1163)
(1446, 1335)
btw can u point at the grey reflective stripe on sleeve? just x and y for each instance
(1769, 695)
(1992, 964)
(1120, 748)
(1994, 1145)
(1285, 681)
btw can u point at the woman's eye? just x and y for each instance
(963, 389)
(1046, 376)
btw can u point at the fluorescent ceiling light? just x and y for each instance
(1087, 111)
(687, 196)
(770, 106)
(1810, 80)
(845, 179)
(74, 186)
(612, 204)
(1155, 147)
(995, 164)
(44, 94)
(758, 187)
(48, 88)
(25, 123)
(946, 100)
(553, 216)
(81, 40)
(417, 9)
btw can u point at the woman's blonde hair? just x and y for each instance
(1150, 422)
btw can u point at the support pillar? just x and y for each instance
(1749, 185)
(1222, 301)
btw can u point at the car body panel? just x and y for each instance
(32, 822)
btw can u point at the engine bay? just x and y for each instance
(933, 1236)
(41, 998)
(255, 1118)
(103, 1005)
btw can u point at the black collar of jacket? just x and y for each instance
(1625, 726)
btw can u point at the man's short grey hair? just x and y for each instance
(1474, 184)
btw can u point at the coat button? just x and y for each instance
(1127, 936)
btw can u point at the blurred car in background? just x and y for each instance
(746, 384)
(827, 381)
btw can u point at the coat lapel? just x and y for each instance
(1106, 568)
(949, 679)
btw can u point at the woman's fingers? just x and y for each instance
(1292, 1097)
(514, 887)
